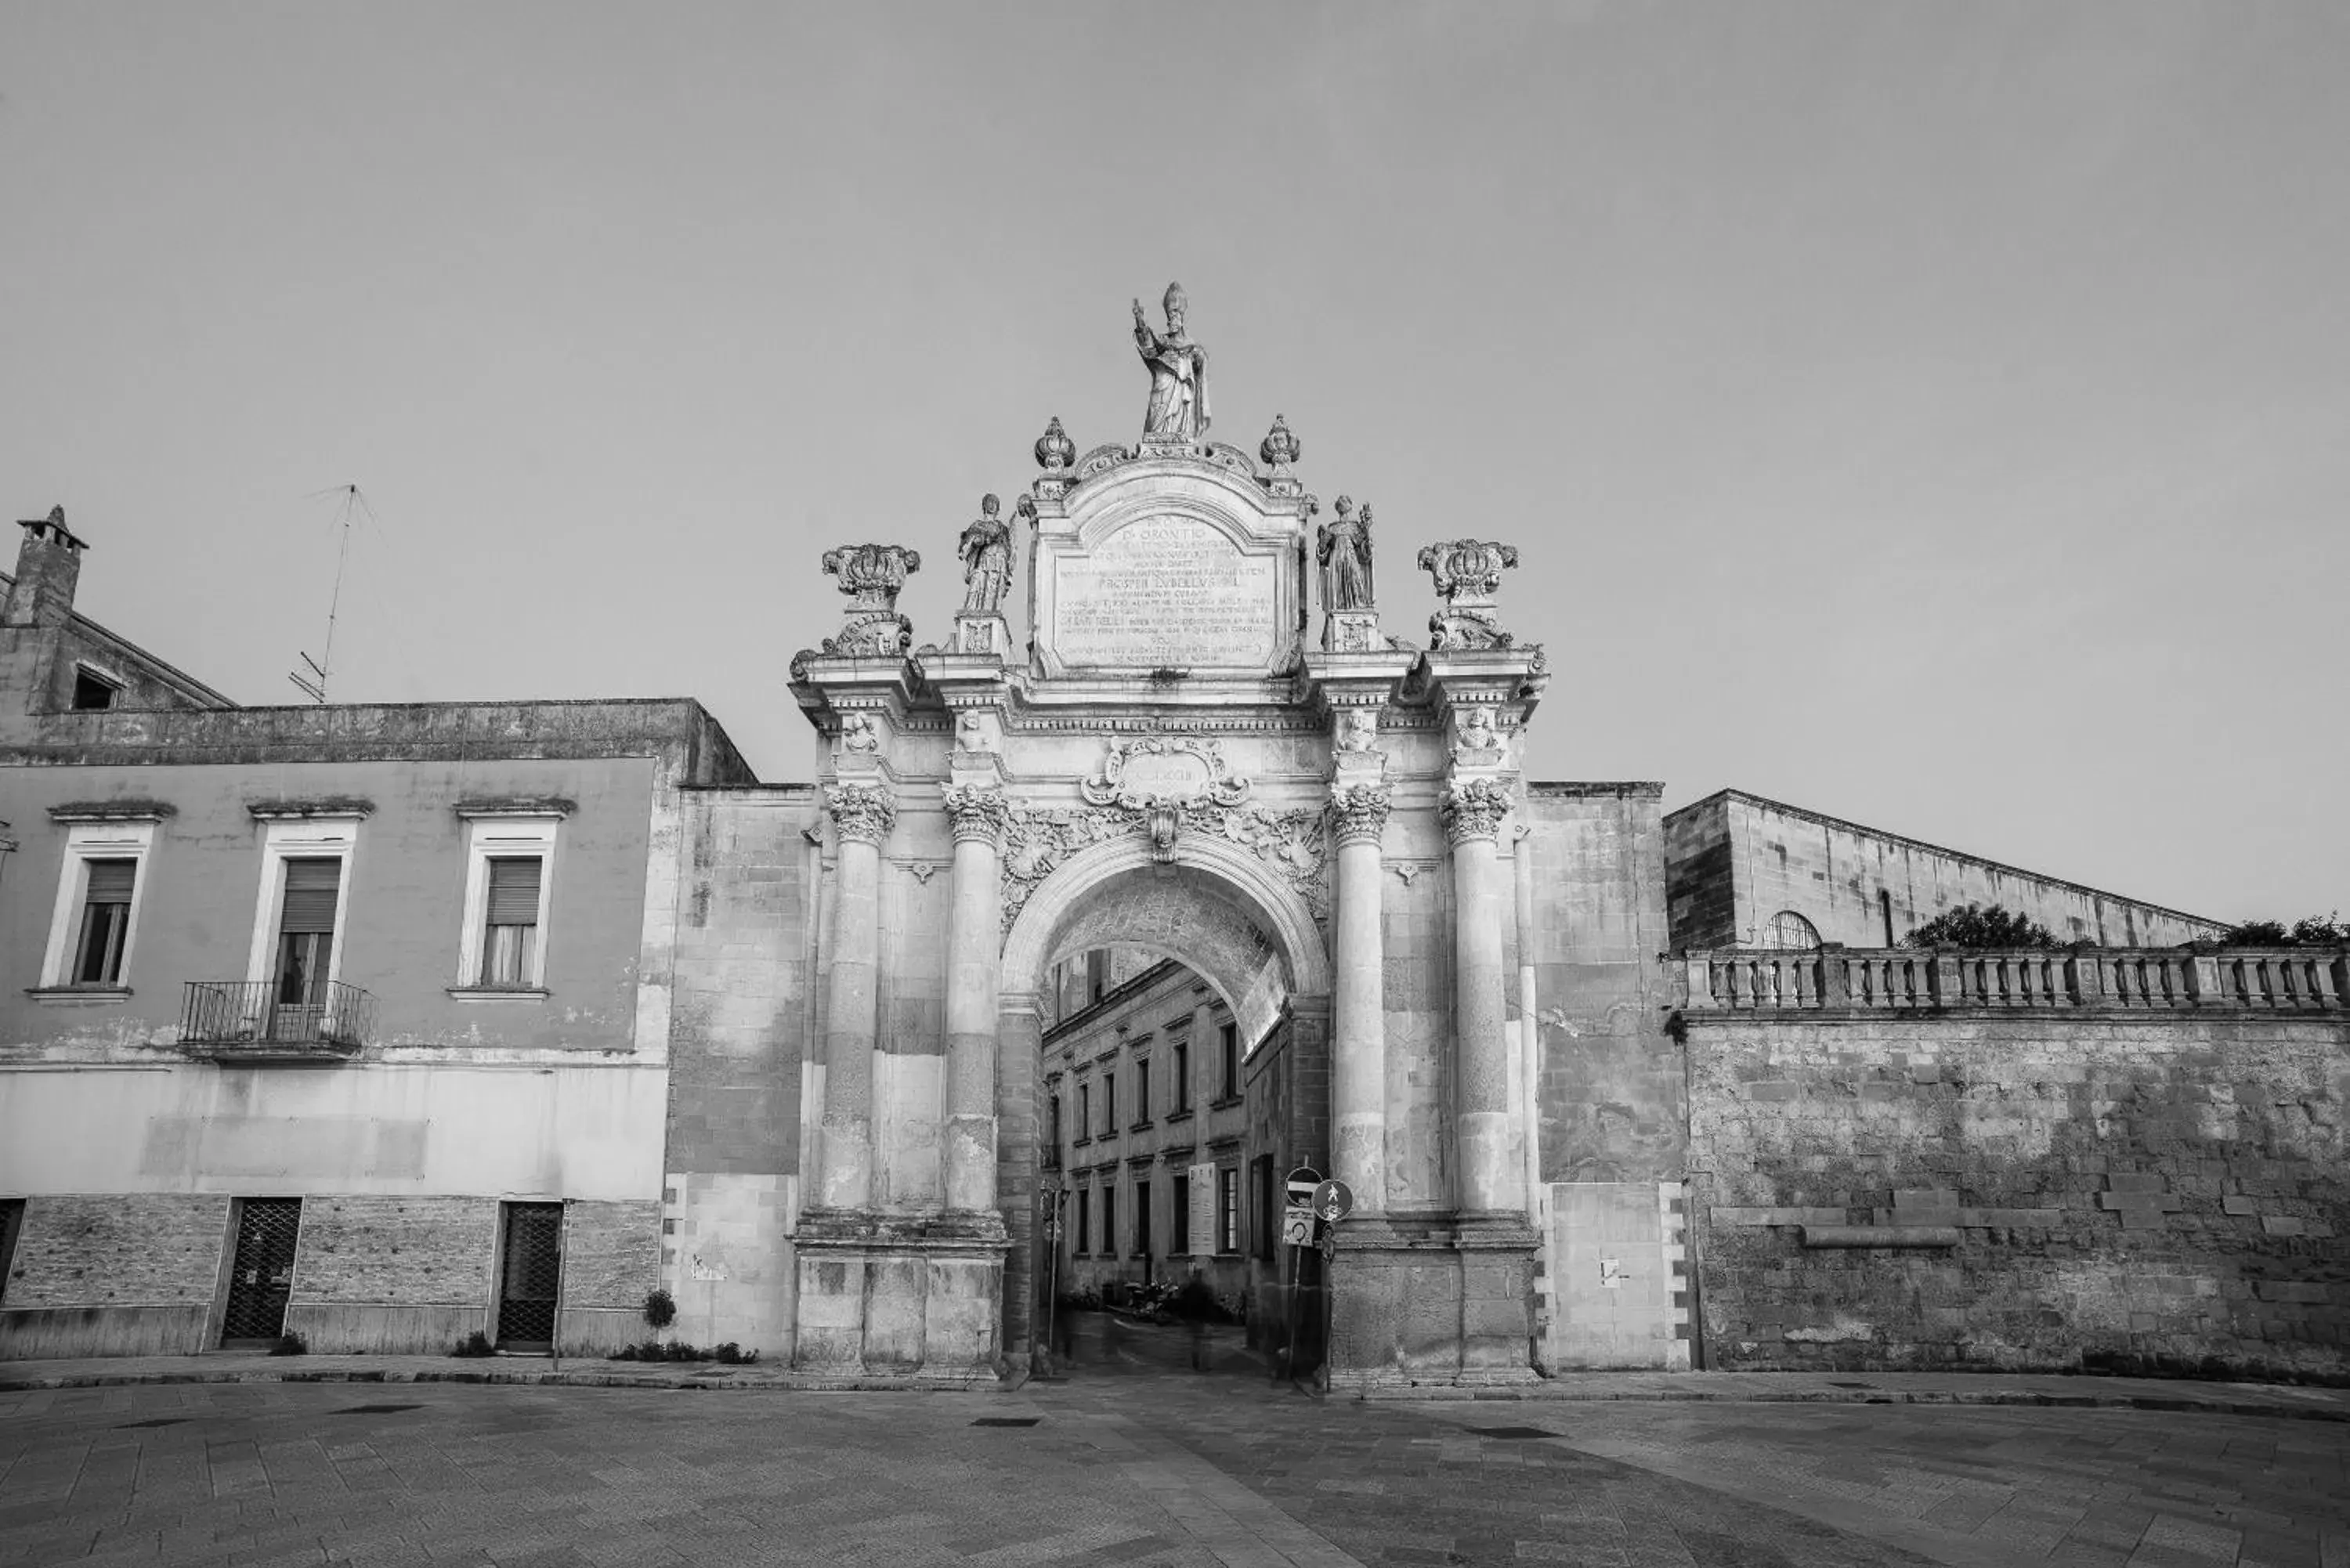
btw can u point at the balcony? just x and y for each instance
(243, 1020)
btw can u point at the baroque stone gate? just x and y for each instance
(1188, 758)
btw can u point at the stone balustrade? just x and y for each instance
(1894, 980)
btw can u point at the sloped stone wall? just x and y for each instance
(2148, 1195)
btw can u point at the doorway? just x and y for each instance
(260, 1270)
(530, 1277)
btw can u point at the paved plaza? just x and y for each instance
(1135, 1459)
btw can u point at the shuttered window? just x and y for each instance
(312, 888)
(510, 926)
(105, 921)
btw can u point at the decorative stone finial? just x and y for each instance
(1054, 450)
(1281, 448)
(986, 552)
(1467, 573)
(1178, 410)
(871, 575)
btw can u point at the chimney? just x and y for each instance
(48, 565)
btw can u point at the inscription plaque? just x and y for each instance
(1166, 592)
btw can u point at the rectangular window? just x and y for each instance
(1053, 1127)
(1231, 1036)
(306, 930)
(1109, 1222)
(507, 863)
(1267, 1219)
(12, 1225)
(94, 918)
(1142, 1092)
(1228, 1209)
(1183, 1074)
(93, 692)
(105, 922)
(296, 958)
(1142, 1220)
(1180, 1219)
(1109, 1102)
(1081, 1238)
(1085, 1112)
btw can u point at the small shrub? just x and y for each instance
(2310, 931)
(474, 1343)
(290, 1344)
(1973, 926)
(660, 1309)
(681, 1351)
(729, 1353)
(626, 1353)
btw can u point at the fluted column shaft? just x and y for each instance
(1493, 1180)
(862, 816)
(973, 948)
(1359, 1016)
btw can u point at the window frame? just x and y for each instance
(503, 835)
(114, 684)
(1228, 1210)
(323, 837)
(132, 840)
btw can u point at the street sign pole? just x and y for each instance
(1300, 1188)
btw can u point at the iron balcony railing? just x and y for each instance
(246, 1019)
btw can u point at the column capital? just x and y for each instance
(1358, 812)
(1472, 808)
(976, 812)
(862, 813)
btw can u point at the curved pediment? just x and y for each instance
(1172, 559)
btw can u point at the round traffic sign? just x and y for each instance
(1333, 1199)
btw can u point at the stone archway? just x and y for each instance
(1221, 911)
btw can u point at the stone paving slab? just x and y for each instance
(2308, 1402)
(1132, 1460)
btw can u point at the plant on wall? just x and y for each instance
(660, 1308)
(2307, 932)
(1975, 926)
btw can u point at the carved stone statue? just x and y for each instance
(986, 550)
(871, 575)
(1467, 573)
(1343, 548)
(1179, 373)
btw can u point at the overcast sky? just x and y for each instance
(1933, 415)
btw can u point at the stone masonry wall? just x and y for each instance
(152, 1249)
(2149, 1194)
(410, 1252)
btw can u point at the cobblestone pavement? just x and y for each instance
(1135, 1459)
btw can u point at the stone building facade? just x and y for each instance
(788, 1050)
(1743, 871)
(1147, 1127)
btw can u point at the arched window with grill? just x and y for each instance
(1789, 931)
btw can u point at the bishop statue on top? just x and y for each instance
(1179, 373)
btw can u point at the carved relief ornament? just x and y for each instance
(1164, 770)
(1474, 808)
(1358, 812)
(872, 576)
(1294, 843)
(863, 814)
(976, 812)
(1468, 573)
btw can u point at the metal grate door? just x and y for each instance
(262, 1272)
(532, 1274)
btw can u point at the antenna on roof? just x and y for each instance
(313, 685)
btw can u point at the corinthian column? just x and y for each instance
(1492, 1183)
(973, 947)
(862, 815)
(1358, 1071)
